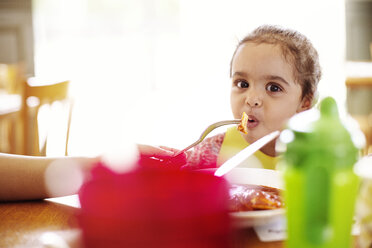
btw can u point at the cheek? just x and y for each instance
(235, 105)
(280, 114)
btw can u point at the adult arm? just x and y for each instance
(35, 177)
(24, 177)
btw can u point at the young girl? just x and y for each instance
(274, 74)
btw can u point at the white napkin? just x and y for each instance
(277, 231)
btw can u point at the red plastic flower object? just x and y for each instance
(154, 208)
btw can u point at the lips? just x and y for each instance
(252, 121)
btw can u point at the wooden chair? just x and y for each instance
(35, 96)
(359, 105)
(365, 124)
(11, 76)
(10, 106)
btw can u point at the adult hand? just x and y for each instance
(160, 157)
(155, 151)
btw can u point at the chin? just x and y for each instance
(250, 138)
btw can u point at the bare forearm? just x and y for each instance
(23, 177)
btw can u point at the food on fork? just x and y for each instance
(242, 127)
(254, 197)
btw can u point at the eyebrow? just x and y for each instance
(268, 77)
(238, 73)
(272, 77)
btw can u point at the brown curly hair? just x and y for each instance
(297, 50)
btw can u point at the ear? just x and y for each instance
(304, 105)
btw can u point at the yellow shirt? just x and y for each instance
(234, 143)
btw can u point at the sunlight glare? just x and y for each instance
(63, 177)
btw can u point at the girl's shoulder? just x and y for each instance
(211, 145)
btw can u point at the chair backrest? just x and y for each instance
(10, 108)
(10, 77)
(34, 97)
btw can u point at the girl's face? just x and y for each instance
(263, 86)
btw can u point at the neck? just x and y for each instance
(269, 149)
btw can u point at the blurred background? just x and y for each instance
(157, 71)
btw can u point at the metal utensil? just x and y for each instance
(245, 153)
(209, 129)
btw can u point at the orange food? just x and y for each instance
(242, 127)
(254, 197)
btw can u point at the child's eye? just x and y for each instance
(242, 84)
(273, 87)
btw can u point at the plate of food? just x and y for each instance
(255, 196)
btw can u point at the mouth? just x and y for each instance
(252, 121)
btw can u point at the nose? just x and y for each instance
(253, 99)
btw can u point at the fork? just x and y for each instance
(209, 129)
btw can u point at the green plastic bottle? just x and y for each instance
(320, 185)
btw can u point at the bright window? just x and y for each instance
(156, 71)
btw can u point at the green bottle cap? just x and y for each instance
(319, 157)
(319, 134)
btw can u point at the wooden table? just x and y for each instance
(42, 223)
(50, 224)
(29, 224)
